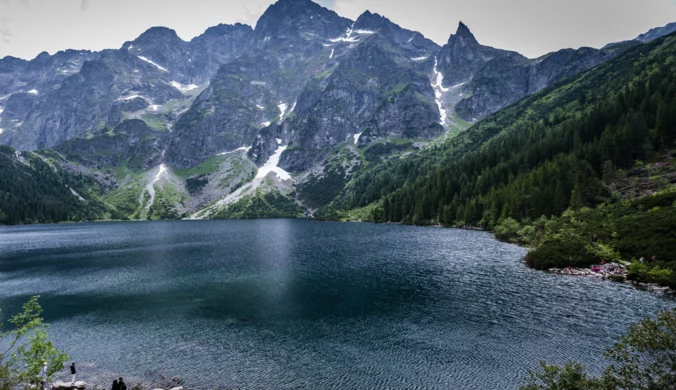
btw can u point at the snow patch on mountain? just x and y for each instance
(243, 148)
(72, 191)
(439, 91)
(182, 87)
(152, 63)
(272, 165)
(349, 38)
(282, 109)
(130, 97)
(356, 137)
(150, 188)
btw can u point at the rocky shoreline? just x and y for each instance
(614, 272)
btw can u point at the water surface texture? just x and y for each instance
(292, 304)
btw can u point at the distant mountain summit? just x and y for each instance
(462, 56)
(657, 32)
(301, 18)
(464, 35)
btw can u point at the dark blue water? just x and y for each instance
(288, 304)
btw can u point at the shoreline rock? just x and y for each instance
(77, 385)
(618, 275)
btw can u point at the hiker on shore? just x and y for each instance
(642, 259)
(116, 385)
(73, 371)
(122, 385)
(653, 259)
(43, 371)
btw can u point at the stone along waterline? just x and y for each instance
(295, 304)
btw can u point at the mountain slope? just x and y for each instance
(258, 88)
(88, 94)
(556, 149)
(32, 191)
(489, 79)
(374, 93)
(657, 32)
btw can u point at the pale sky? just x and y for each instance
(531, 27)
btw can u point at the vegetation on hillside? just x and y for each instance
(555, 150)
(32, 191)
(261, 204)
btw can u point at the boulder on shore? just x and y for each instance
(78, 385)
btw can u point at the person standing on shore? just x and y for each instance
(121, 385)
(73, 371)
(43, 372)
(116, 385)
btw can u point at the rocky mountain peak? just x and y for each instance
(43, 56)
(10, 64)
(155, 34)
(657, 33)
(293, 17)
(464, 35)
(221, 30)
(415, 42)
(371, 20)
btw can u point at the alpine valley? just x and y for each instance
(312, 114)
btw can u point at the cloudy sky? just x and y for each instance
(532, 27)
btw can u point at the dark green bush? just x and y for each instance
(559, 254)
(617, 278)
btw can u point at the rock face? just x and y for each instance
(42, 74)
(79, 92)
(412, 42)
(132, 143)
(462, 57)
(657, 33)
(503, 82)
(260, 87)
(78, 385)
(374, 93)
(492, 79)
